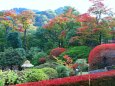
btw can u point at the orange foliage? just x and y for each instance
(10, 13)
(61, 19)
(81, 29)
(72, 39)
(84, 17)
(57, 51)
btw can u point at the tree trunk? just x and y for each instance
(61, 43)
(7, 30)
(25, 45)
(113, 36)
(98, 17)
(100, 38)
(6, 35)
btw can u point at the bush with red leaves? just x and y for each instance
(101, 56)
(97, 79)
(42, 60)
(57, 51)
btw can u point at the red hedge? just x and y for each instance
(95, 54)
(57, 51)
(82, 80)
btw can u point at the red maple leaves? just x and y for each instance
(57, 51)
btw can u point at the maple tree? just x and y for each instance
(94, 29)
(93, 33)
(61, 25)
(68, 62)
(19, 22)
(111, 23)
(25, 19)
(99, 9)
(7, 20)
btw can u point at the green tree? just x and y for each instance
(11, 57)
(25, 18)
(2, 38)
(14, 40)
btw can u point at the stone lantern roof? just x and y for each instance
(27, 64)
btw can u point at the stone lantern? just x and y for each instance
(27, 64)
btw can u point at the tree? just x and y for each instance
(94, 29)
(40, 20)
(61, 25)
(99, 9)
(7, 20)
(25, 18)
(2, 38)
(65, 9)
(14, 40)
(111, 23)
(7, 25)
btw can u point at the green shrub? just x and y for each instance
(32, 52)
(77, 52)
(52, 73)
(48, 64)
(1, 57)
(22, 77)
(21, 52)
(10, 77)
(11, 57)
(2, 81)
(1, 72)
(63, 71)
(82, 64)
(35, 60)
(36, 75)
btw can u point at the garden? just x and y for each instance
(58, 48)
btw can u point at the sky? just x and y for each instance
(80, 5)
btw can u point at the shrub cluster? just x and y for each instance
(36, 75)
(8, 77)
(97, 79)
(52, 73)
(39, 58)
(63, 71)
(27, 75)
(48, 64)
(12, 57)
(78, 52)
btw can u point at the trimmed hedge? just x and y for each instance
(78, 52)
(50, 72)
(97, 79)
(102, 56)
